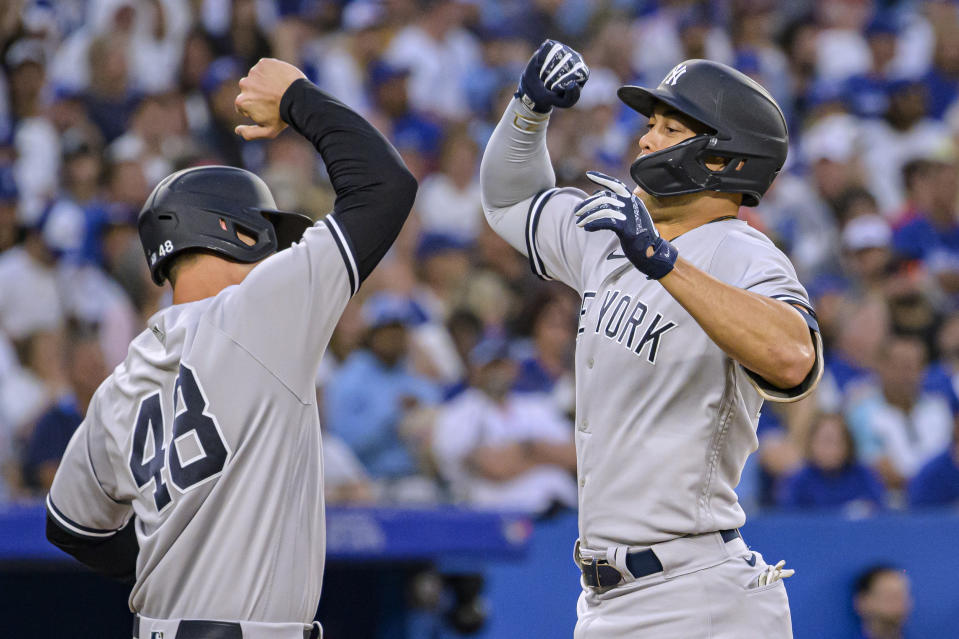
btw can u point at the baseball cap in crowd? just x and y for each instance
(360, 15)
(489, 350)
(434, 242)
(386, 309)
(826, 284)
(831, 138)
(883, 23)
(865, 232)
(221, 70)
(380, 72)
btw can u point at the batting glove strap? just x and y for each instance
(618, 210)
(554, 76)
(654, 266)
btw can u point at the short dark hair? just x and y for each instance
(867, 578)
(177, 262)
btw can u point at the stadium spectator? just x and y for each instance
(29, 298)
(831, 476)
(110, 99)
(937, 483)
(448, 200)
(898, 427)
(867, 252)
(867, 93)
(882, 602)
(906, 131)
(545, 359)
(499, 449)
(85, 370)
(440, 55)
(37, 148)
(416, 135)
(368, 397)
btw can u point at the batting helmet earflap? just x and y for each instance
(746, 128)
(205, 208)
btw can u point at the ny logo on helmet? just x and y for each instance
(673, 75)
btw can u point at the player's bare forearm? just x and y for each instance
(766, 336)
(555, 453)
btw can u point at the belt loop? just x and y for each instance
(136, 626)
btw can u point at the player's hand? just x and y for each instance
(616, 209)
(260, 94)
(772, 574)
(553, 77)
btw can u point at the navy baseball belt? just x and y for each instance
(599, 573)
(202, 629)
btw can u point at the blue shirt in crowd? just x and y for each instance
(918, 239)
(811, 488)
(937, 483)
(364, 404)
(50, 437)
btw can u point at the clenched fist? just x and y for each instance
(260, 95)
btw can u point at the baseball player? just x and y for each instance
(198, 471)
(689, 320)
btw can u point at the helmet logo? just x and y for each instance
(673, 75)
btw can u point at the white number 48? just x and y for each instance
(166, 247)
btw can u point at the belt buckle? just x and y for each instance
(598, 567)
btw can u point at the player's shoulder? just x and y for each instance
(736, 240)
(565, 197)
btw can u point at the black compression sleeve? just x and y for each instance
(374, 189)
(114, 556)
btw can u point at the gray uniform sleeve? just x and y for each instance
(285, 311)
(522, 203)
(81, 500)
(752, 262)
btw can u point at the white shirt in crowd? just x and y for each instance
(908, 440)
(472, 420)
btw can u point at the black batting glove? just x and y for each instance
(554, 76)
(616, 209)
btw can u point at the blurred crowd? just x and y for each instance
(450, 375)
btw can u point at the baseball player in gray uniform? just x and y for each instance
(198, 469)
(689, 320)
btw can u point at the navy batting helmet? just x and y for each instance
(745, 127)
(204, 208)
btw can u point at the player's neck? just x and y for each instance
(206, 277)
(677, 215)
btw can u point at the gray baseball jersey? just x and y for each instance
(208, 432)
(664, 418)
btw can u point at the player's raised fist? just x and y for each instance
(260, 94)
(554, 76)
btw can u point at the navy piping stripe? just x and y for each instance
(532, 224)
(804, 309)
(345, 253)
(792, 299)
(72, 526)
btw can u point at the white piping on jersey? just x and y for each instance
(719, 437)
(351, 261)
(536, 263)
(69, 525)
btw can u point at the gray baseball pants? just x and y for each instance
(707, 590)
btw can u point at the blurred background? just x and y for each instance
(454, 359)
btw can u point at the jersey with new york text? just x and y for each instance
(664, 418)
(208, 433)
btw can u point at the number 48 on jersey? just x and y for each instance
(194, 430)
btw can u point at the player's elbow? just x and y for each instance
(793, 363)
(403, 188)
